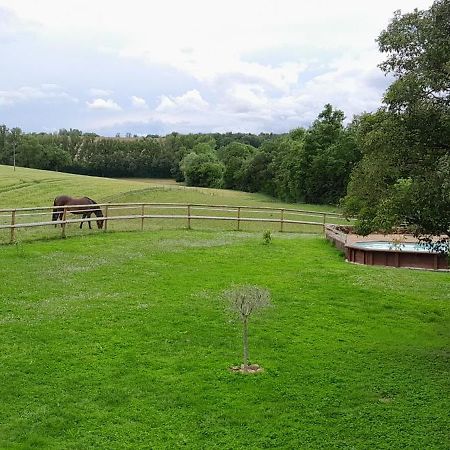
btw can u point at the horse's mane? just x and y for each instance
(97, 211)
(93, 201)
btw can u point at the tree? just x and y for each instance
(418, 55)
(404, 176)
(288, 169)
(328, 158)
(3, 144)
(330, 168)
(244, 301)
(236, 158)
(203, 170)
(15, 137)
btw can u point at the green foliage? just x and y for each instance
(289, 170)
(404, 175)
(418, 55)
(236, 158)
(267, 237)
(330, 154)
(204, 170)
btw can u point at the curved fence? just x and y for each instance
(160, 215)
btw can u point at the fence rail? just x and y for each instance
(16, 218)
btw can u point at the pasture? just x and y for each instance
(120, 340)
(31, 187)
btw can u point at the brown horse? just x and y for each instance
(84, 208)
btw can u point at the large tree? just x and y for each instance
(404, 176)
(236, 158)
(201, 167)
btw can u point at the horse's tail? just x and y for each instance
(55, 212)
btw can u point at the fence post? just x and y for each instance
(324, 222)
(189, 217)
(63, 226)
(239, 218)
(105, 228)
(142, 216)
(282, 220)
(13, 226)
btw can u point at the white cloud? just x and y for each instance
(102, 104)
(138, 102)
(44, 92)
(189, 101)
(256, 65)
(245, 98)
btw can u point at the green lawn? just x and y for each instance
(120, 340)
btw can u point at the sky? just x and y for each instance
(154, 67)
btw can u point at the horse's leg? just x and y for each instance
(56, 215)
(89, 216)
(81, 223)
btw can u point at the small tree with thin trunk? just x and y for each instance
(244, 300)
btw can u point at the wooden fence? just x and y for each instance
(18, 218)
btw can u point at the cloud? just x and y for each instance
(245, 98)
(189, 101)
(138, 102)
(44, 92)
(95, 92)
(353, 85)
(102, 104)
(271, 67)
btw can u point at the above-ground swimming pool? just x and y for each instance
(385, 245)
(405, 254)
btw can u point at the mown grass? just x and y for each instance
(120, 340)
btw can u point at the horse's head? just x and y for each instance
(100, 224)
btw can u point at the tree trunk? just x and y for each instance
(245, 341)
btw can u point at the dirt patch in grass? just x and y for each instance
(250, 369)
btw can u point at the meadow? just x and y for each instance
(30, 187)
(121, 340)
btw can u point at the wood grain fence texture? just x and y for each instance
(15, 218)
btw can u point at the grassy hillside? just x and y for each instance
(32, 187)
(121, 341)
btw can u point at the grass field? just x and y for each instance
(30, 187)
(121, 341)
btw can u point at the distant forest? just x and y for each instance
(311, 165)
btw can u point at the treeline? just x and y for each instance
(311, 165)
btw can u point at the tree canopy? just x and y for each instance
(404, 175)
